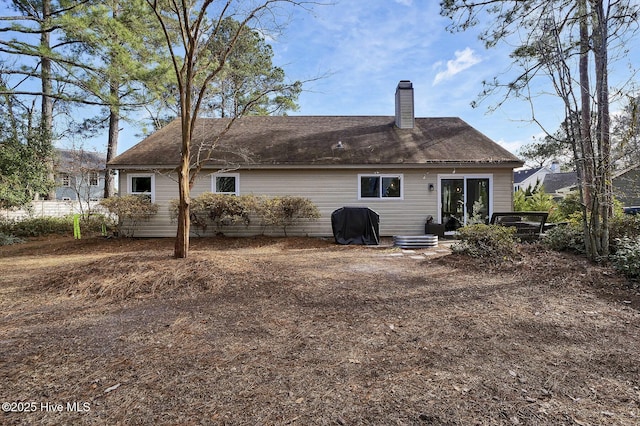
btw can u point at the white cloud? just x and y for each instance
(465, 59)
(511, 146)
(405, 2)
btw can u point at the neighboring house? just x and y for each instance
(80, 175)
(626, 186)
(528, 178)
(79, 184)
(402, 167)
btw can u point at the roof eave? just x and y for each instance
(433, 164)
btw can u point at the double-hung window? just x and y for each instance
(93, 178)
(65, 179)
(380, 186)
(226, 183)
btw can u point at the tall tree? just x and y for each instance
(247, 75)
(104, 53)
(25, 153)
(565, 42)
(115, 46)
(195, 37)
(249, 84)
(35, 23)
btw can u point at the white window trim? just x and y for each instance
(234, 175)
(381, 175)
(465, 177)
(153, 184)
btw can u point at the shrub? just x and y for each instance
(287, 210)
(494, 243)
(536, 200)
(519, 201)
(569, 205)
(566, 237)
(7, 239)
(218, 209)
(624, 225)
(38, 226)
(626, 258)
(130, 209)
(227, 210)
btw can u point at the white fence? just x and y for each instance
(52, 209)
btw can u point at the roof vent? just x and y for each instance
(404, 105)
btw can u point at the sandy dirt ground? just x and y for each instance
(301, 331)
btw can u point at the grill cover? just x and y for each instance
(355, 225)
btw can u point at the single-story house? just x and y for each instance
(404, 168)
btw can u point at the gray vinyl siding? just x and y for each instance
(329, 190)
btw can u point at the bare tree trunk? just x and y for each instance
(47, 87)
(181, 249)
(603, 177)
(585, 163)
(112, 144)
(114, 118)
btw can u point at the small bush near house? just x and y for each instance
(220, 210)
(287, 210)
(131, 210)
(536, 200)
(626, 257)
(493, 243)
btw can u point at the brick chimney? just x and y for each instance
(404, 105)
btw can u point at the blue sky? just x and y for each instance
(366, 47)
(360, 49)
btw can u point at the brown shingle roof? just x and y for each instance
(280, 141)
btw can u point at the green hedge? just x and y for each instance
(40, 226)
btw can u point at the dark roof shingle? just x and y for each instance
(556, 181)
(75, 159)
(277, 141)
(521, 175)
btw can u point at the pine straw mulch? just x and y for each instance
(303, 331)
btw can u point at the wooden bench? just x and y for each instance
(529, 225)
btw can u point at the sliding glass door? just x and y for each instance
(452, 199)
(477, 200)
(464, 200)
